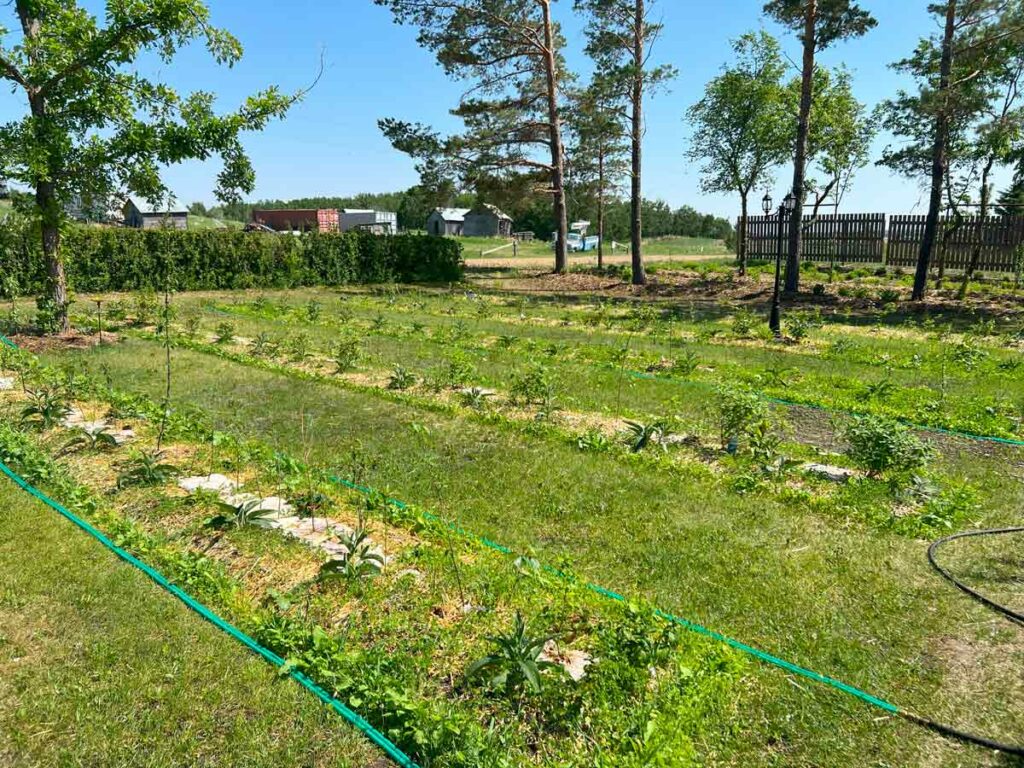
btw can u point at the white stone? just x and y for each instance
(214, 482)
(575, 663)
(829, 472)
(6, 384)
(74, 418)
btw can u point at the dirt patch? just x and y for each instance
(61, 342)
(542, 262)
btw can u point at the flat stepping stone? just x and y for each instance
(74, 418)
(215, 482)
(575, 663)
(829, 472)
(6, 383)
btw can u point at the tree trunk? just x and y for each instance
(557, 152)
(600, 208)
(940, 159)
(741, 235)
(50, 226)
(803, 129)
(636, 190)
(972, 266)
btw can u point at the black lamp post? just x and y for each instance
(785, 211)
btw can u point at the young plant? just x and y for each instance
(262, 345)
(515, 663)
(685, 363)
(224, 333)
(737, 411)
(360, 561)
(400, 379)
(298, 347)
(880, 445)
(534, 386)
(346, 354)
(89, 439)
(145, 468)
(192, 325)
(475, 398)
(593, 440)
(240, 515)
(45, 410)
(639, 436)
(313, 310)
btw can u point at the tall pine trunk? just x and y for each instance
(940, 158)
(557, 151)
(803, 129)
(636, 190)
(600, 208)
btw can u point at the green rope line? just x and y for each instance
(344, 711)
(684, 623)
(824, 409)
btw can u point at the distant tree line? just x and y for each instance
(529, 213)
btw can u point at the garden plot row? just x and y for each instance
(381, 605)
(603, 377)
(631, 523)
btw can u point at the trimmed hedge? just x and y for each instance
(130, 259)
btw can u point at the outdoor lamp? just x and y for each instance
(789, 202)
(766, 203)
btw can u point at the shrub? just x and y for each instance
(127, 259)
(880, 445)
(536, 385)
(743, 322)
(737, 411)
(346, 354)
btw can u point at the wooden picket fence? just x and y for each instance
(844, 238)
(875, 238)
(997, 240)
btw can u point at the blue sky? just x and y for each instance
(330, 144)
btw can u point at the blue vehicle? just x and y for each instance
(577, 240)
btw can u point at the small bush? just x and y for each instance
(737, 411)
(880, 445)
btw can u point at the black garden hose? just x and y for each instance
(1015, 616)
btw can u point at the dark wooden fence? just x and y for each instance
(874, 238)
(997, 240)
(844, 238)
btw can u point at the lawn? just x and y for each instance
(484, 247)
(205, 222)
(98, 667)
(506, 415)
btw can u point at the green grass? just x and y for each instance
(474, 247)
(99, 667)
(826, 577)
(747, 565)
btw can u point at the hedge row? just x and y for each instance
(129, 259)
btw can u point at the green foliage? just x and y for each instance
(359, 561)
(534, 386)
(45, 409)
(475, 398)
(89, 439)
(639, 436)
(346, 353)
(225, 333)
(101, 260)
(145, 468)
(401, 378)
(879, 445)
(242, 514)
(737, 411)
(593, 440)
(514, 663)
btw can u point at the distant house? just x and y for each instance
(487, 221)
(297, 219)
(447, 222)
(141, 215)
(378, 222)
